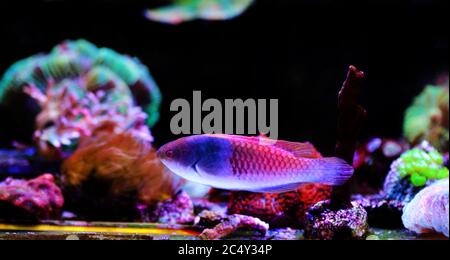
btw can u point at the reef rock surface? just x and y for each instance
(35, 199)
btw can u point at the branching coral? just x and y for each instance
(69, 113)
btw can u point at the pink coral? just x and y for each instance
(40, 197)
(67, 116)
(429, 210)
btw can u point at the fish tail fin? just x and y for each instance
(334, 171)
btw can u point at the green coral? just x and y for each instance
(421, 166)
(427, 118)
(77, 59)
(180, 11)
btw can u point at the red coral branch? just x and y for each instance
(350, 123)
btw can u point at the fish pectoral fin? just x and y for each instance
(279, 189)
(303, 150)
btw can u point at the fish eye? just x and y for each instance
(170, 154)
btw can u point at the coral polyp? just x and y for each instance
(421, 166)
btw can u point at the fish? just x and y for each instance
(254, 164)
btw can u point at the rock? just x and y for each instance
(381, 212)
(209, 218)
(37, 199)
(323, 223)
(279, 210)
(177, 210)
(233, 223)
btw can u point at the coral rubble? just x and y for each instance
(233, 223)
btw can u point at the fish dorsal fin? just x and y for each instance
(303, 150)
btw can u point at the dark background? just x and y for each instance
(297, 51)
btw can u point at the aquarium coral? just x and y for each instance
(61, 91)
(429, 210)
(415, 169)
(32, 200)
(427, 118)
(111, 174)
(180, 11)
(67, 117)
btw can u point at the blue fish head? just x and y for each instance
(198, 158)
